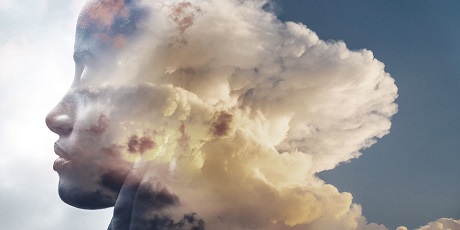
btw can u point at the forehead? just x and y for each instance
(108, 25)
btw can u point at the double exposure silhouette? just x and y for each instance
(93, 173)
(213, 114)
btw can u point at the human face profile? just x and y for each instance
(90, 164)
(218, 111)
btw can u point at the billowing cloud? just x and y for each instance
(236, 112)
(442, 224)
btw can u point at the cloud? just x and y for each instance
(312, 85)
(244, 110)
(442, 224)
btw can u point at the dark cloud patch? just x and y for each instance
(128, 23)
(165, 222)
(184, 138)
(222, 125)
(188, 222)
(100, 126)
(109, 24)
(113, 180)
(273, 6)
(183, 14)
(142, 206)
(140, 144)
(155, 196)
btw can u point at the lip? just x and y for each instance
(60, 151)
(63, 161)
(60, 164)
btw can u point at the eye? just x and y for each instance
(79, 68)
(84, 62)
(84, 73)
(81, 71)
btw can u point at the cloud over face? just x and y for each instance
(232, 111)
(300, 92)
(245, 110)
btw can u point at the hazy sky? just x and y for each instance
(410, 177)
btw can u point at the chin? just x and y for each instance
(85, 196)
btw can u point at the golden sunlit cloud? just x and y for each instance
(236, 112)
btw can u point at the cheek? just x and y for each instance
(94, 125)
(113, 169)
(93, 136)
(104, 165)
(99, 126)
(110, 128)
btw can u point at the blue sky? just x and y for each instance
(411, 176)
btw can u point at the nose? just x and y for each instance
(60, 119)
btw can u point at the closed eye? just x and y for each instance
(84, 60)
